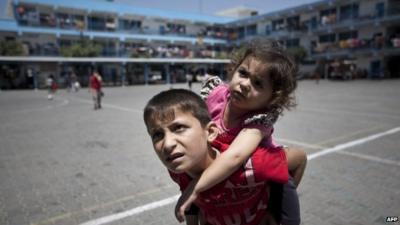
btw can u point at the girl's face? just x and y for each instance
(251, 87)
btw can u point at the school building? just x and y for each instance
(132, 45)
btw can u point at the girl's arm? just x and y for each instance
(228, 162)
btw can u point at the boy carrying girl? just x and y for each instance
(186, 141)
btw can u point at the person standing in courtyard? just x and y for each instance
(95, 89)
(319, 71)
(51, 86)
(189, 78)
(74, 82)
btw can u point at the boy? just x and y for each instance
(185, 140)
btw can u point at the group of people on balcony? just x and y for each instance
(162, 51)
(328, 19)
(376, 42)
(139, 51)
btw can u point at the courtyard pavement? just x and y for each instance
(61, 162)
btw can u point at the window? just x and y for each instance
(47, 20)
(278, 25)
(175, 28)
(293, 23)
(96, 23)
(268, 29)
(241, 32)
(314, 23)
(328, 16)
(65, 42)
(292, 43)
(111, 24)
(327, 38)
(347, 35)
(130, 24)
(251, 30)
(328, 12)
(380, 9)
(26, 15)
(349, 12)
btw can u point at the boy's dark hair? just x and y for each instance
(162, 106)
(282, 69)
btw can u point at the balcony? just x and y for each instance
(331, 23)
(27, 16)
(353, 46)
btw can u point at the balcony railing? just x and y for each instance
(332, 22)
(53, 49)
(355, 45)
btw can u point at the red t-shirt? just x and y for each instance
(243, 197)
(95, 83)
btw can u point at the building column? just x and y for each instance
(86, 22)
(221, 72)
(35, 79)
(122, 70)
(146, 73)
(168, 75)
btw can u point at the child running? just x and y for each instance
(262, 82)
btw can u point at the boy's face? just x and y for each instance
(250, 86)
(181, 143)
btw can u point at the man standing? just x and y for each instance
(189, 79)
(95, 89)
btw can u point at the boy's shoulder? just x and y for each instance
(182, 179)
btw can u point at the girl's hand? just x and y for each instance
(185, 201)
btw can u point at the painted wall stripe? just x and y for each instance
(352, 143)
(131, 212)
(371, 158)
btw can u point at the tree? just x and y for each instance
(298, 53)
(11, 48)
(82, 49)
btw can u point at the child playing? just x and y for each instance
(184, 138)
(51, 86)
(95, 87)
(261, 87)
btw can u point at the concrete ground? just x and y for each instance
(61, 162)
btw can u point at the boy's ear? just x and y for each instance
(212, 130)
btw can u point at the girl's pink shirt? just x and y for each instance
(217, 102)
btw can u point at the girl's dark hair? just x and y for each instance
(163, 105)
(281, 66)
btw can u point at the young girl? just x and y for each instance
(261, 87)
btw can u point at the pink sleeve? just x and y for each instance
(216, 101)
(209, 86)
